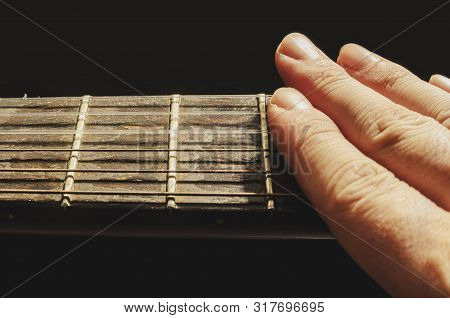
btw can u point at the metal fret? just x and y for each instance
(172, 155)
(265, 152)
(74, 155)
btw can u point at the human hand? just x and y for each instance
(376, 141)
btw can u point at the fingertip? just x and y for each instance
(440, 81)
(298, 46)
(343, 52)
(348, 46)
(295, 34)
(294, 48)
(289, 99)
(355, 57)
(292, 34)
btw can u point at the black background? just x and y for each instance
(165, 47)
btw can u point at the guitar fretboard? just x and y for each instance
(167, 152)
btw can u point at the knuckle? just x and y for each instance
(446, 122)
(442, 113)
(387, 129)
(324, 75)
(356, 182)
(391, 76)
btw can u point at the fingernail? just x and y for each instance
(299, 47)
(441, 82)
(290, 99)
(356, 57)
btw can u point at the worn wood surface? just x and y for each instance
(205, 122)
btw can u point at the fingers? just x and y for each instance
(441, 82)
(415, 147)
(396, 83)
(356, 193)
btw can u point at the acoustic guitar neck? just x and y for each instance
(166, 154)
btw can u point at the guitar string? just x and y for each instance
(139, 97)
(147, 193)
(133, 149)
(131, 170)
(190, 132)
(118, 113)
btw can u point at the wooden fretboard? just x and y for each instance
(169, 152)
(158, 164)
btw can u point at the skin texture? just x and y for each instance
(376, 143)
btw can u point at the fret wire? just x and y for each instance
(146, 193)
(171, 182)
(131, 150)
(265, 154)
(74, 155)
(130, 170)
